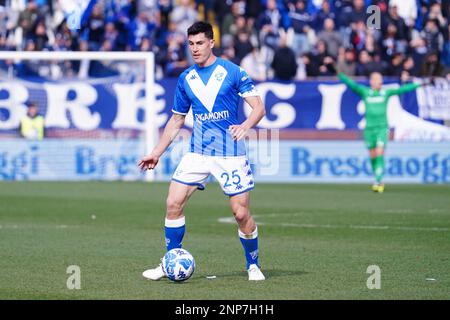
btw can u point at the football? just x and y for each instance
(178, 264)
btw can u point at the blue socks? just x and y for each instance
(250, 244)
(174, 232)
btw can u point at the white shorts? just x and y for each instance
(233, 173)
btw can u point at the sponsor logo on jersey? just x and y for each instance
(212, 116)
(378, 99)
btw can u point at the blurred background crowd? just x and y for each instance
(282, 39)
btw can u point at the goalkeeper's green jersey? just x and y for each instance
(376, 101)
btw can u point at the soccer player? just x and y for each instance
(211, 87)
(377, 129)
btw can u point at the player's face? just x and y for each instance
(376, 81)
(201, 48)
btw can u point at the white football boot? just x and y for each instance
(154, 274)
(254, 273)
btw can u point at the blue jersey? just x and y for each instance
(213, 92)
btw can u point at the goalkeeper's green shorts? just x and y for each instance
(376, 137)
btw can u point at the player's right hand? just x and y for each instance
(148, 162)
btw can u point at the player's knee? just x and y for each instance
(241, 213)
(174, 207)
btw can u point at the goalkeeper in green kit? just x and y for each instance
(376, 132)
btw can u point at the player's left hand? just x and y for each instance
(238, 131)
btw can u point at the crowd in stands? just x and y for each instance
(282, 39)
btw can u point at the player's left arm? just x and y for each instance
(258, 112)
(403, 89)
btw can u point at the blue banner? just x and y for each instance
(272, 161)
(115, 103)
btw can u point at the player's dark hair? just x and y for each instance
(201, 27)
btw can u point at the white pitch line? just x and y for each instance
(230, 220)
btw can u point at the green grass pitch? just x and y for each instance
(316, 241)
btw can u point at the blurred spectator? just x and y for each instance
(300, 20)
(272, 23)
(358, 13)
(322, 59)
(310, 65)
(253, 9)
(32, 124)
(28, 18)
(253, 64)
(367, 64)
(407, 9)
(346, 62)
(396, 65)
(184, 15)
(140, 28)
(234, 21)
(331, 37)
(95, 27)
(323, 14)
(432, 67)
(284, 63)
(222, 9)
(435, 13)
(358, 35)
(433, 39)
(111, 34)
(242, 45)
(446, 49)
(395, 19)
(175, 53)
(409, 68)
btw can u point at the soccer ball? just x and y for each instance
(178, 264)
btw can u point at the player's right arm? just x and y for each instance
(358, 89)
(181, 107)
(171, 130)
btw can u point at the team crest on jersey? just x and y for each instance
(219, 76)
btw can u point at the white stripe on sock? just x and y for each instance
(175, 223)
(252, 235)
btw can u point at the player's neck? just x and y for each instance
(212, 58)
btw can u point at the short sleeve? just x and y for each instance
(181, 103)
(246, 87)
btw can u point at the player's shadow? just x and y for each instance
(268, 273)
